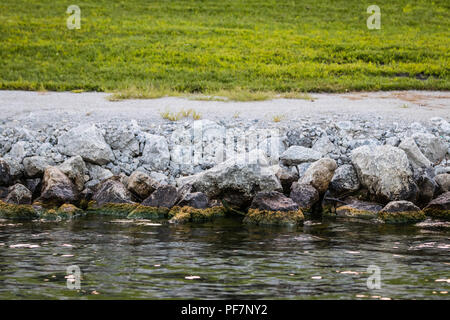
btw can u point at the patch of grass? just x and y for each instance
(176, 116)
(196, 115)
(278, 117)
(231, 49)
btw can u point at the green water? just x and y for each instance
(138, 260)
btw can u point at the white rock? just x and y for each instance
(296, 155)
(88, 142)
(156, 154)
(384, 171)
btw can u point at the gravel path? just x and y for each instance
(45, 107)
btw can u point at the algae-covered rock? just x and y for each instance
(273, 208)
(157, 205)
(398, 212)
(17, 211)
(64, 212)
(358, 209)
(148, 212)
(274, 218)
(112, 198)
(190, 214)
(439, 207)
(112, 209)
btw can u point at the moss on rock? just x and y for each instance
(189, 214)
(148, 212)
(17, 211)
(112, 209)
(402, 217)
(400, 212)
(281, 218)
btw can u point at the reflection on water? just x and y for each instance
(132, 260)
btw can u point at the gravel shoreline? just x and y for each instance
(383, 147)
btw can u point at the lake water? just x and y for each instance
(122, 259)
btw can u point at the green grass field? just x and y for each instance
(243, 49)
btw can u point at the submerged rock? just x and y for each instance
(439, 207)
(189, 214)
(304, 195)
(384, 171)
(319, 174)
(398, 212)
(17, 211)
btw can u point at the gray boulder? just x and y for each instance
(434, 148)
(296, 155)
(415, 156)
(155, 155)
(246, 175)
(98, 173)
(35, 166)
(443, 181)
(87, 141)
(19, 194)
(345, 179)
(75, 169)
(384, 171)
